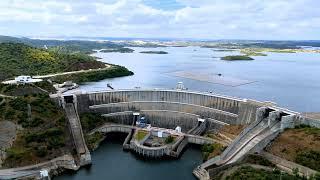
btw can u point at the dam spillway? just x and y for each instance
(169, 108)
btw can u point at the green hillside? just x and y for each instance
(20, 59)
(65, 46)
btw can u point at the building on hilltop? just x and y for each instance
(22, 80)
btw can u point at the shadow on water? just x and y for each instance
(109, 161)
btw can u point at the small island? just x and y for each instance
(119, 50)
(237, 58)
(154, 52)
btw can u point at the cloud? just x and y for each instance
(209, 19)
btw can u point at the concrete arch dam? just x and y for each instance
(169, 108)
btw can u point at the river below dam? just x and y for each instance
(109, 161)
(289, 79)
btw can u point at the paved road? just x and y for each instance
(5, 96)
(65, 161)
(71, 72)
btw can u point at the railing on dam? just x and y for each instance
(206, 100)
(173, 90)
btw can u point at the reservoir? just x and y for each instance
(289, 79)
(109, 161)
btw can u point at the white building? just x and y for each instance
(44, 174)
(22, 80)
(180, 86)
(178, 129)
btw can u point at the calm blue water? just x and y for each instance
(111, 162)
(291, 80)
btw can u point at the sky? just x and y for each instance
(195, 19)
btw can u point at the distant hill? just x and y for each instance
(87, 46)
(9, 39)
(70, 46)
(21, 59)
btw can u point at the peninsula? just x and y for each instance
(21, 59)
(154, 52)
(119, 50)
(237, 58)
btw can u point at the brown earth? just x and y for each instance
(312, 115)
(226, 134)
(233, 129)
(294, 141)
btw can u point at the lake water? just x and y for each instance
(289, 79)
(110, 162)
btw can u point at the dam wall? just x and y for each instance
(165, 105)
(201, 99)
(299, 120)
(169, 108)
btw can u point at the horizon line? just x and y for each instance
(102, 38)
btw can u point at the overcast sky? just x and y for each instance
(198, 19)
